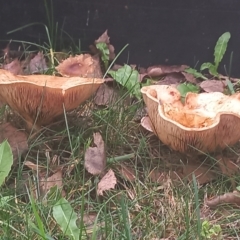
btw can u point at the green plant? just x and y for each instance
(66, 218)
(6, 160)
(219, 51)
(210, 231)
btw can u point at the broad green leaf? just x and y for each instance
(195, 73)
(220, 48)
(6, 160)
(184, 88)
(206, 65)
(66, 218)
(213, 70)
(103, 48)
(128, 78)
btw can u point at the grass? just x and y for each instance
(140, 209)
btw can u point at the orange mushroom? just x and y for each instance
(83, 65)
(206, 122)
(41, 98)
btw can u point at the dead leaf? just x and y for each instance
(227, 166)
(227, 198)
(104, 38)
(33, 166)
(16, 138)
(105, 95)
(95, 157)
(45, 184)
(189, 77)
(37, 64)
(127, 172)
(202, 173)
(160, 177)
(14, 67)
(107, 182)
(213, 85)
(147, 124)
(171, 79)
(48, 177)
(161, 70)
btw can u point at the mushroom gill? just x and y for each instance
(206, 122)
(83, 65)
(40, 98)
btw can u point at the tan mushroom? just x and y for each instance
(40, 98)
(83, 65)
(206, 122)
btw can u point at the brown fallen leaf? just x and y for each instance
(189, 77)
(202, 173)
(213, 85)
(227, 166)
(47, 177)
(127, 172)
(45, 184)
(105, 95)
(95, 157)
(14, 67)
(107, 182)
(147, 124)
(104, 38)
(161, 70)
(16, 138)
(160, 176)
(227, 198)
(37, 64)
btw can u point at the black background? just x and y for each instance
(158, 31)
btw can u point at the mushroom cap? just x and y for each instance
(83, 65)
(206, 122)
(40, 98)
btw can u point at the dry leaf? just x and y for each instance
(147, 124)
(33, 166)
(127, 172)
(104, 38)
(174, 78)
(95, 157)
(161, 177)
(189, 77)
(107, 182)
(16, 138)
(227, 166)
(161, 70)
(202, 173)
(37, 64)
(54, 180)
(213, 85)
(14, 67)
(105, 95)
(227, 198)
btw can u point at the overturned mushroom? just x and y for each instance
(206, 122)
(41, 98)
(83, 65)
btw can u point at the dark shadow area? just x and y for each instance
(158, 31)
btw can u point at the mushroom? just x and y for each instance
(83, 65)
(206, 122)
(41, 98)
